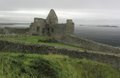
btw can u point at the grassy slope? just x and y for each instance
(13, 65)
(49, 66)
(35, 39)
(27, 39)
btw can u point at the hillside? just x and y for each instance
(41, 40)
(67, 42)
(24, 56)
(89, 45)
(17, 65)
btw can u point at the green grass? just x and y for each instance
(17, 65)
(36, 40)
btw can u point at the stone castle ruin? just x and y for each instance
(44, 27)
(51, 27)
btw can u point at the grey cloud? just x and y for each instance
(59, 4)
(80, 10)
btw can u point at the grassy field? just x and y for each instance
(17, 65)
(37, 40)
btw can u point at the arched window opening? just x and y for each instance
(38, 28)
(52, 30)
(43, 30)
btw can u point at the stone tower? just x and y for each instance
(69, 26)
(52, 18)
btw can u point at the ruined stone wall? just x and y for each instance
(52, 18)
(44, 49)
(37, 26)
(69, 26)
(59, 30)
(13, 30)
(51, 27)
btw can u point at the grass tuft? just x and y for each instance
(18, 65)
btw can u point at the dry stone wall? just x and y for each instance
(6, 46)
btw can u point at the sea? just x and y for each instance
(101, 33)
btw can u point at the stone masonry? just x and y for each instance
(51, 27)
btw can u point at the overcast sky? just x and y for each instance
(81, 11)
